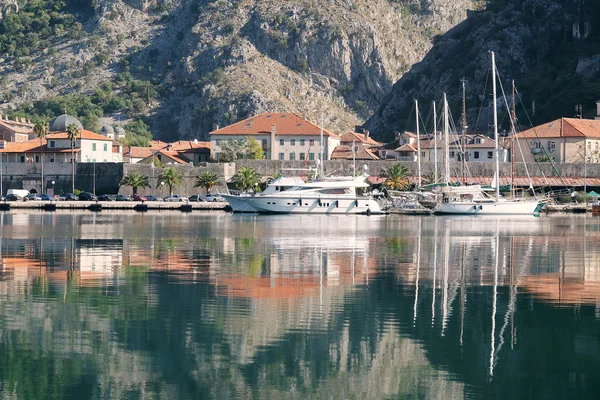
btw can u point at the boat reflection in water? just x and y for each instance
(219, 305)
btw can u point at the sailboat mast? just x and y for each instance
(435, 143)
(446, 143)
(418, 144)
(496, 155)
(513, 123)
(322, 146)
(464, 131)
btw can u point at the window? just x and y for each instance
(383, 153)
(311, 142)
(52, 143)
(281, 156)
(52, 159)
(292, 156)
(292, 142)
(302, 142)
(302, 156)
(93, 146)
(37, 158)
(551, 145)
(476, 154)
(422, 154)
(105, 147)
(311, 156)
(490, 154)
(451, 154)
(478, 140)
(22, 158)
(281, 142)
(264, 143)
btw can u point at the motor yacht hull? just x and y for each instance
(304, 205)
(488, 208)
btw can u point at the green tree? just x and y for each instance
(396, 177)
(171, 177)
(135, 180)
(254, 150)
(207, 180)
(41, 130)
(72, 133)
(137, 133)
(246, 179)
(232, 150)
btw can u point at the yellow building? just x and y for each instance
(569, 140)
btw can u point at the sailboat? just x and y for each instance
(475, 200)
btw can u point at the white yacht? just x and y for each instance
(287, 195)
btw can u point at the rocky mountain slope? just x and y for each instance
(550, 47)
(185, 66)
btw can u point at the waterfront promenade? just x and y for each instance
(113, 205)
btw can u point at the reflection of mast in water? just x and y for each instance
(417, 279)
(494, 302)
(435, 246)
(446, 263)
(463, 292)
(509, 316)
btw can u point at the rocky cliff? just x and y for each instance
(550, 48)
(211, 63)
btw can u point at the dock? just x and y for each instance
(113, 205)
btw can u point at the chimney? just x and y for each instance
(367, 134)
(274, 144)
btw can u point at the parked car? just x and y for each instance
(107, 197)
(213, 197)
(121, 197)
(196, 199)
(70, 197)
(137, 197)
(46, 197)
(176, 197)
(87, 196)
(32, 197)
(154, 198)
(13, 197)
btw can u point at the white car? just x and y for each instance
(213, 197)
(176, 197)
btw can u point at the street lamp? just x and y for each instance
(53, 194)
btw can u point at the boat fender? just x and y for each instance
(480, 208)
(319, 202)
(356, 202)
(368, 212)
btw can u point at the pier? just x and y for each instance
(113, 205)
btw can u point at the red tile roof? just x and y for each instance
(350, 137)
(406, 147)
(138, 152)
(285, 124)
(84, 134)
(344, 152)
(33, 146)
(563, 127)
(188, 146)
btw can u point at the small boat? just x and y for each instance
(596, 208)
(335, 195)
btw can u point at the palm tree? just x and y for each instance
(207, 180)
(246, 179)
(429, 178)
(135, 180)
(41, 129)
(171, 177)
(72, 133)
(396, 177)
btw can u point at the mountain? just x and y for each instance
(184, 67)
(550, 48)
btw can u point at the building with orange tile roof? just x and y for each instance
(179, 152)
(19, 130)
(570, 140)
(363, 144)
(283, 136)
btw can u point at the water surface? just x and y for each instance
(185, 306)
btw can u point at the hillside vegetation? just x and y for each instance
(184, 67)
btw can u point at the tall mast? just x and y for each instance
(496, 155)
(464, 131)
(418, 144)
(446, 143)
(513, 115)
(435, 143)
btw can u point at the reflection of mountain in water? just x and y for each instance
(406, 306)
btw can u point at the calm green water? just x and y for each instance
(185, 306)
